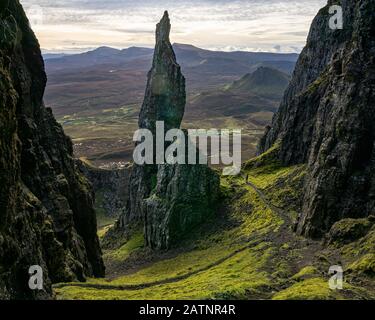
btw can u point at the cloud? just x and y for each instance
(277, 48)
(205, 23)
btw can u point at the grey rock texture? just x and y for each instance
(165, 95)
(46, 204)
(164, 100)
(185, 196)
(327, 119)
(142, 179)
(168, 200)
(111, 185)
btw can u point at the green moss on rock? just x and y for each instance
(305, 273)
(348, 230)
(310, 289)
(364, 265)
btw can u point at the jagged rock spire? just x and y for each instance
(163, 29)
(164, 100)
(169, 200)
(165, 95)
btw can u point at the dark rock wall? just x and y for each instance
(46, 204)
(185, 196)
(327, 119)
(113, 185)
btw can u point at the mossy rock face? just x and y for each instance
(136, 241)
(327, 124)
(47, 216)
(185, 196)
(110, 187)
(349, 230)
(268, 158)
(365, 265)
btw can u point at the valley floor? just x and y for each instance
(248, 252)
(105, 137)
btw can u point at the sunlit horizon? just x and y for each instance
(80, 25)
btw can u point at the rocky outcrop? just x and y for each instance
(185, 196)
(46, 204)
(111, 187)
(349, 230)
(327, 119)
(169, 200)
(164, 100)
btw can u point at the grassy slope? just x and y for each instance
(249, 253)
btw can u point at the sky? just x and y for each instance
(250, 25)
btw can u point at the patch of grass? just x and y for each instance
(122, 253)
(306, 272)
(310, 289)
(264, 177)
(268, 158)
(358, 254)
(103, 231)
(254, 214)
(234, 277)
(364, 265)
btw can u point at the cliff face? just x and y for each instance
(168, 200)
(184, 197)
(110, 186)
(46, 205)
(327, 120)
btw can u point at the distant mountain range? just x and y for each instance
(97, 95)
(109, 78)
(49, 56)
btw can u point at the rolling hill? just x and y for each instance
(260, 91)
(264, 81)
